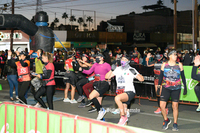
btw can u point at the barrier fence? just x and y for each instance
(144, 90)
(18, 118)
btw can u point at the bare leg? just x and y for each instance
(119, 99)
(66, 90)
(72, 92)
(162, 106)
(175, 111)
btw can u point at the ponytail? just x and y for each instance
(49, 55)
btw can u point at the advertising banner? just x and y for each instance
(191, 83)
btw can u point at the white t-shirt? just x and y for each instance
(125, 78)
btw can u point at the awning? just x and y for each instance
(84, 44)
(145, 45)
(66, 45)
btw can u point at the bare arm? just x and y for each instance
(109, 75)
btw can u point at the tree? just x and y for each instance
(84, 25)
(160, 2)
(80, 21)
(56, 20)
(52, 25)
(72, 19)
(172, 1)
(90, 20)
(65, 16)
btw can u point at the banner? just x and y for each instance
(191, 83)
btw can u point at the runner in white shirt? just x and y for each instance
(125, 88)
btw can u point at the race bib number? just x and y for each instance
(120, 89)
(23, 70)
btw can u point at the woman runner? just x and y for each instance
(100, 68)
(171, 87)
(125, 88)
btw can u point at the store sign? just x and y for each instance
(4, 36)
(139, 36)
(183, 37)
(114, 28)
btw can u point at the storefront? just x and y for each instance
(20, 39)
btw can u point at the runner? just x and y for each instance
(48, 84)
(171, 87)
(70, 78)
(23, 70)
(196, 76)
(101, 86)
(125, 88)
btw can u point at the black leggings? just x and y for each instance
(197, 91)
(22, 89)
(49, 90)
(80, 84)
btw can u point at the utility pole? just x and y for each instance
(12, 30)
(39, 6)
(175, 25)
(195, 24)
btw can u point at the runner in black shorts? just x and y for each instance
(125, 88)
(171, 86)
(100, 68)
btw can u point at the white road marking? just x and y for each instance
(183, 119)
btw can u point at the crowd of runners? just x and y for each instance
(91, 73)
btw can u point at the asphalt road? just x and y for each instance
(142, 116)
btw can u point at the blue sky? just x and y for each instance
(105, 9)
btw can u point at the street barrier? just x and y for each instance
(18, 118)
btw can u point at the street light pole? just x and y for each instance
(175, 25)
(12, 30)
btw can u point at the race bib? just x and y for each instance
(120, 89)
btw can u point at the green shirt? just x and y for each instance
(38, 66)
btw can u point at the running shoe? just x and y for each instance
(80, 98)
(66, 100)
(17, 97)
(101, 114)
(175, 127)
(93, 109)
(37, 105)
(116, 111)
(128, 114)
(82, 105)
(198, 109)
(11, 99)
(73, 101)
(166, 124)
(88, 103)
(158, 111)
(123, 120)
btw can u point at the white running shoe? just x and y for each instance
(66, 100)
(116, 112)
(37, 105)
(101, 114)
(73, 101)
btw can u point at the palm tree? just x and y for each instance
(84, 25)
(80, 21)
(65, 16)
(72, 19)
(90, 20)
(172, 1)
(160, 2)
(52, 25)
(56, 20)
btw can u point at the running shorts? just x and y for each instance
(167, 93)
(131, 95)
(101, 87)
